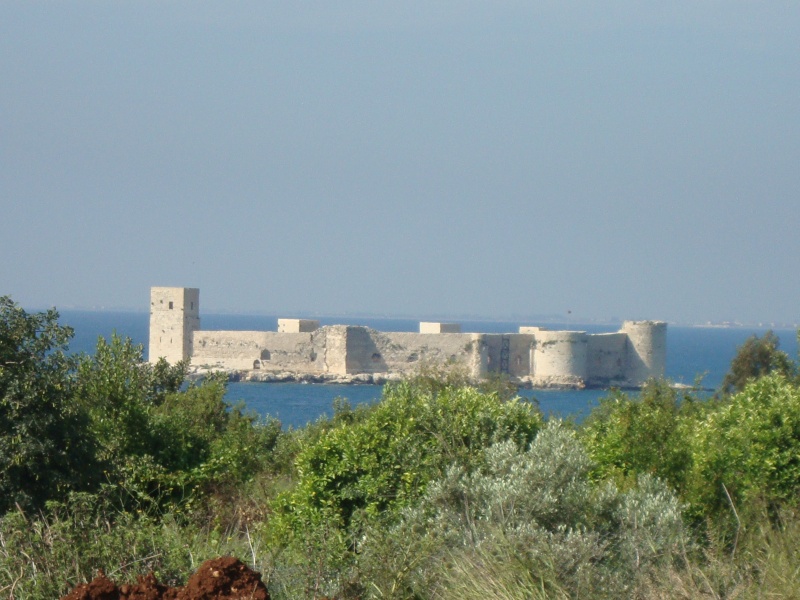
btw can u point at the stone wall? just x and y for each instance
(260, 351)
(300, 348)
(606, 359)
(508, 353)
(335, 349)
(403, 353)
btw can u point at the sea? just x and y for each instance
(694, 355)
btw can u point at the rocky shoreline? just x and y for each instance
(257, 376)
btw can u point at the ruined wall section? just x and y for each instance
(509, 354)
(174, 317)
(371, 351)
(520, 355)
(335, 349)
(338, 350)
(363, 355)
(493, 347)
(606, 359)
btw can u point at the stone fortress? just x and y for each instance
(301, 350)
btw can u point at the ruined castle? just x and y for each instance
(300, 349)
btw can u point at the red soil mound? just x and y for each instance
(225, 578)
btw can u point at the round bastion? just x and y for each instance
(646, 352)
(559, 358)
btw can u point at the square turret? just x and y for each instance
(174, 317)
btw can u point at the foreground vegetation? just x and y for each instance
(441, 490)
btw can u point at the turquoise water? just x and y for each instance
(692, 352)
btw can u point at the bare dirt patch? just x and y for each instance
(225, 578)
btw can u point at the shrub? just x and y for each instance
(748, 449)
(385, 460)
(357, 474)
(755, 358)
(43, 556)
(119, 390)
(628, 436)
(160, 446)
(45, 450)
(528, 523)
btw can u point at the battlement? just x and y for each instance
(301, 348)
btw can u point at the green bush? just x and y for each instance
(629, 435)
(757, 357)
(119, 390)
(748, 449)
(45, 448)
(385, 460)
(433, 378)
(161, 446)
(359, 473)
(43, 556)
(527, 523)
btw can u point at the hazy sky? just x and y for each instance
(612, 159)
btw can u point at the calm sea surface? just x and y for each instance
(692, 352)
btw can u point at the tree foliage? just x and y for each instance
(160, 444)
(386, 459)
(44, 447)
(748, 448)
(629, 435)
(758, 356)
(111, 420)
(528, 523)
(719, 455)
(119, 389)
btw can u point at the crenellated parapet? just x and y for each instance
(301, 348)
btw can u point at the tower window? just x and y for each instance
(170, 305)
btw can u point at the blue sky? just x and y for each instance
(495, 159)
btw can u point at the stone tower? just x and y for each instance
(560, 358)
(174, 317)
(646, 355)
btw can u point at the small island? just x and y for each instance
(301, 350)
